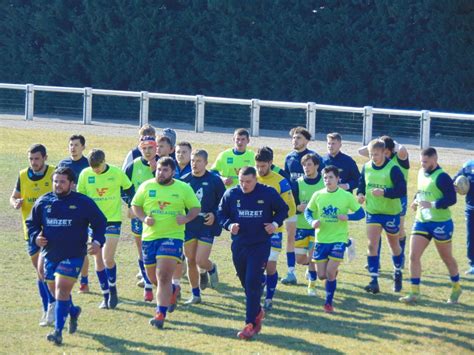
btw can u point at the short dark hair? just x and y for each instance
(200, 153)
(38, 148)
(241, 132)
(184, 144)
(80, 137)
(331, 168)
(248, 170)
(429, 152)
(389, 143)
(96, 157)
(167, 161)
(147, 130)
(311, 156)
(334, 135)
(63, 170)
(300, 130)
(166, 139)
(264, 154)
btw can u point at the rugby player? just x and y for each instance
(145, 130)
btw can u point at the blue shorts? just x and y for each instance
(164, 248)
(112, 230)
(304, 240)
(390, 223)
(404, 201)
(329, 251)
(276, 241)
(204, 238)
(32, 248)
(68, 268)
(442, 232)
(137, 227)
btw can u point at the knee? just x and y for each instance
(191, 261)
(201, 261)
(301, 259)
(62, 294)
(165, 277)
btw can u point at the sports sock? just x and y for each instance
(291, 261)
(112, 276)
(51, 298)
(272, 281)
(196, 292)
(213, 269)
(73, 310)
(415, 285)
(176, 282)
(144, 275)
(104, 283)
(455, 281)
(397, 261)
(349, 243)
(42, 290)
(61, 311)
(403, 243)
(312, 275)
(162, 310)
(84, 280)
(373, 262)
(330, 290)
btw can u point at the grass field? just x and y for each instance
(363, 323)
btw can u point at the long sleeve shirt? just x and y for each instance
(468, 171)
(348, 170)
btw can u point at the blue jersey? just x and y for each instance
(209, 190)
(293, 166)
(178, 174)
(251, 211)
(348, 170)
(468, 171)
(76, 165)
(64, 221)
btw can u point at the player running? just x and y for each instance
(327, 212)
(33, 182)
(200, 232)
(104, 183)
(160, 204)
(59, 224)
(264, 162)
(432, 221)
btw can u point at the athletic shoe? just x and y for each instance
(174, 299)
(158, 321)
(268, 305)
(103, 305)
(328, 308)
(247, 333)
(397, 281)
(113, 298)
(470, 271)
(214, 278)
(83, 288)
(51, 314)
(351, 251)
(55, 337)
(193, 300)
(411, 298)
(372, 287)
(204, 280)
(148, 295)
(139, 276)
(455, 293)
(259, 320)
(44, 319)
(141, 283)
(73, 321)
(311, 290)
(289, 279)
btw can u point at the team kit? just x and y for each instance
(177, 206)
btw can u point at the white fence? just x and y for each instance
(416, 123)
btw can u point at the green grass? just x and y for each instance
(363, 323)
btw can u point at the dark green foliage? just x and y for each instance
(384, 53)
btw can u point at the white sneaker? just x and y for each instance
(50, 314)
(44, 319)
(351, 251)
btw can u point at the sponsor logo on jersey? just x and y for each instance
(72, 207)
(260, 202)
(152, 193)
(57, 222)
(163, 204)
(175, 195)
(102, 191)
(330, 212)
(205, 183)
(250, 213)
(47, 208)
(238, 203)
(91, 179)
(230, 160)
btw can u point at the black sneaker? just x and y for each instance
(113, 298)
(397, 281)
(372, 287)
(158, 321)
(103, 304)
(55, 337)
(204, 282)
(73, 321)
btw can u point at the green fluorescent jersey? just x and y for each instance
(428, 191)
(326, 206)
(305, 191)
(140, 173)
(228, 164)
(164, 203)
(104, 189)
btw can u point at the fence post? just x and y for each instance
(255, 118)
(367, 125)
(87, 106)
(425, 126)
(311, 119)
(200, 107)
(144, 108)
(29, 102)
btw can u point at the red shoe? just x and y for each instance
(247, 333)
(158, 320)
(174, 299)
(328, 308)
(83, 288)
(259, 320)
(148, 295)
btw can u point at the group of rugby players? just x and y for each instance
(177, 207)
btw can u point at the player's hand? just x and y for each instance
(180, 219)
(234, 228)
(269, 228)
(316, 224)
(227, 181)
(41, 240)
(301, 207)
(343, 217)
(360, 199)
(425, 204)
(414, 205)
(149, 221)
(344, 186)
(17, 204)
(378, 192)
(209, 219)
(130, 213)
(93, 248)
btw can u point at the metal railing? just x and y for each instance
(311, 108)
